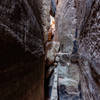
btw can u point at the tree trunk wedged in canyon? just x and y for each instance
(22, 50)
(83, 16)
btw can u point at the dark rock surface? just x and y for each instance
(21, 50)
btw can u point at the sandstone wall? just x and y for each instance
(89, 47)
(22, 50)
(66, 24)
(83, 15)
(46, 17)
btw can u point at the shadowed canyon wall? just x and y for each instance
(45, 17)
(22, 50)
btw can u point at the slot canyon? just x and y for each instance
(50, 49)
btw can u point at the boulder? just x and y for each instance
(52, 49)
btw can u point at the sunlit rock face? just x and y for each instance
(83, 15)
(69, 79)
(68, 72)
(22, 50)
(66, 24)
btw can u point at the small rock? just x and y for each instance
(51, 51)
(57, 59)
(55, 64)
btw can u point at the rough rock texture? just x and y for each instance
(52, 49)
(68, 80)
(46, 17)
(68, 72)
(83, 15)
(66, 24)
(21, 50)
(89, 49)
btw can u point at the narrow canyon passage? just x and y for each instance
(64, 73)
(49, 49)
(71, 70)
